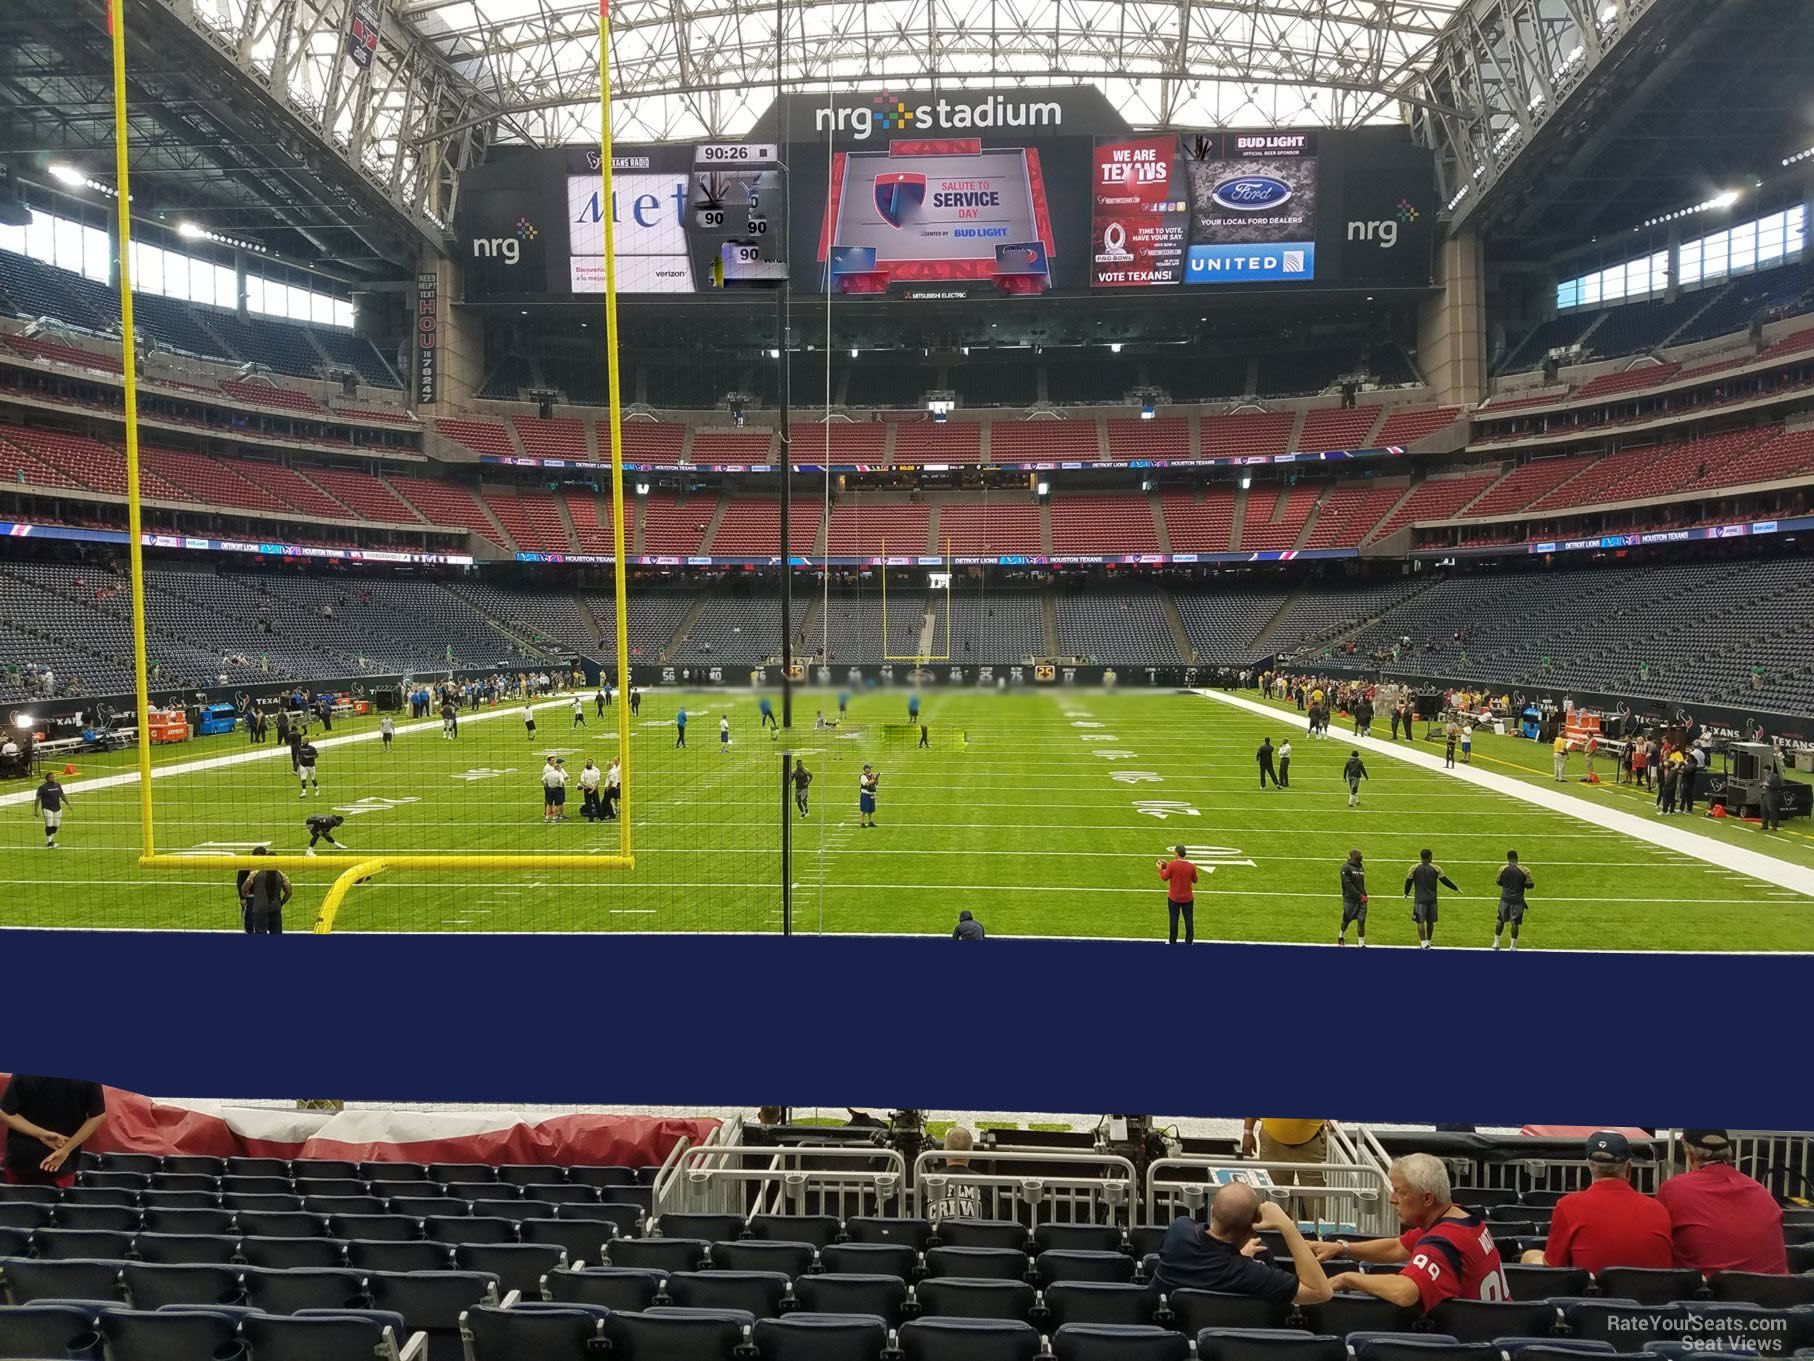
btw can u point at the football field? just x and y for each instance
(1041, 812)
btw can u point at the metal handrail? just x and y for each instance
(932, 1179)
(729, 1180)
(1370, 1197)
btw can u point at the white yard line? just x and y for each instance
(264, 753)
(1668, 835)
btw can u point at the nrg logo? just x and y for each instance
(509, 249)
(1384, 231)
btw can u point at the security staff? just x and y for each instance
(1772, 799)
(1264, 756)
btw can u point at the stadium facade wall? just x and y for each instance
(1451, 326)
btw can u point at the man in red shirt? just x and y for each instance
(1448, 1252)
(1610, 1223)
(1723, 1220)
(1180, 893)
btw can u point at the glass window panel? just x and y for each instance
(1744, 248)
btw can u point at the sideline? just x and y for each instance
(1767, 868)
(275, 752)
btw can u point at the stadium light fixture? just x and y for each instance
(1720, 200)
(67, 174)
(1246, 481)
(1146, 410)
(189, 231)
(1114, 347)
(1805, 154)
(853, 352)
(642, 488)
(24, 722)
(1043, 489)
(774, 354)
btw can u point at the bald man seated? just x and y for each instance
(1221, 1255)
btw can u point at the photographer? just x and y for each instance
(1220, 1255)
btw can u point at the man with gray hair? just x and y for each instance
(960, 1199)
(1447, 1252)
(1221, 1255)
(1722, 1219)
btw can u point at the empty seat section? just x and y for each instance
(1005, 524)
(657, 443)
(1163, 437)
(591, 528)
(1042, 441)
(1275, 515)
(671, 526)
(1103, 524)
(1205, 526)
(261, 393)
(369, 497)
(1349, 512)
(446, 503)
(564, 439)
(921, 442)
(1437, 498)
(862, 526)
(1407, 425)
(1246, 433)
(860, 442)
(1334, 427)
(482, 437)
(737, 447)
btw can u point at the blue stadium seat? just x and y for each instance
(872, 1259)
(150, 1286)
(23, 1280)
(63, 1244)
(712, 1228)
(1061, 1264)
(518, 1266)
(982, 1233)
(286, 1292)
(545, 1333)
(666, 1255)
(380, 1254)
(1000, 1264)
(26, 1215)
(821, 1337)
(328, 1335)
(678, 1334)
(974, 1297)
(1118, 1342)
(916, 1233)
(834, 1293)
(1077, 1238)
(431, 1301)
(1542, 1348)
(1099, 1302)
(1757, 1287)
(763, 1294)
(1624, 1323)
(623, 1288)
(968, 1339)
(1650, 1285)
(49, 1331)
(99, 1218)
(582, 1240)
(819, 1230)
(188, 1222)
(1484, 1320)
(1354, 1313)
(143, 1335)
(284, 1253)
(1425, 1349)
(1273, 1344)
(1546, 1282)
(755, 1254)
(1198, 1310)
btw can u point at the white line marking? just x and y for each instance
(1671, 837)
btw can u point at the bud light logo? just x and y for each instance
(1249, 193)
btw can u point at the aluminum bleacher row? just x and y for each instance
(550, 1264)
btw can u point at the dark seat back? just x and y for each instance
(1100, 1302)
(832, 1293)
(622, 1288)
(1118, 1342)
(968, 1297)
(763, 1294)
(968, 1339)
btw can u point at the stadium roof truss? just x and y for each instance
(689, 68)
(1497, 75)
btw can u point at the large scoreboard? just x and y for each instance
(934, 195)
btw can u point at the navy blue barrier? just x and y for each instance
(1035, 1025)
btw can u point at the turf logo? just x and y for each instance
(371, 805)
(480, 773)
(1165, 808)
(1138, 777)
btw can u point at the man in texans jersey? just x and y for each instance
(1447, 1252)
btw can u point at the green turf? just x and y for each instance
(1026, 824)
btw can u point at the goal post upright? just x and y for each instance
(355, 867)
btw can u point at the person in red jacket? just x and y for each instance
(1180, 893)
(1447, 1252)
(1610, 1223)
(1723, 1220)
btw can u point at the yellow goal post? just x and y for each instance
(362, 866)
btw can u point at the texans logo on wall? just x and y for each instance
(899, 195)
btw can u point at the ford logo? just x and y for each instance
(1249, 192)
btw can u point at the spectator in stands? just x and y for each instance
(1722, 1220)
(1448, 1252)
(47, 1120)
(968, 928)
(1180, 878)
(961, 1198)
(1221, 1255)
(1610, 1223)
